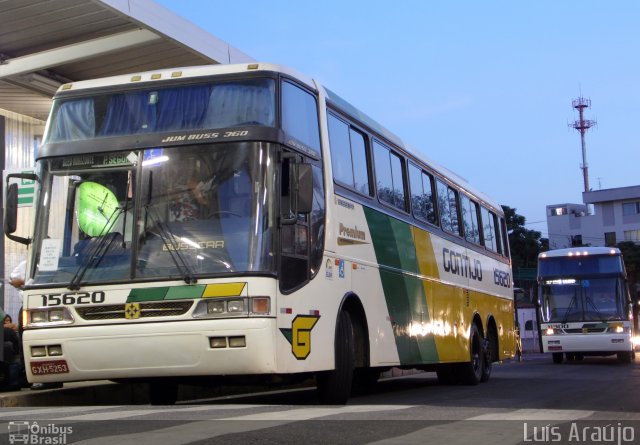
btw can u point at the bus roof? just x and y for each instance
(580, 251)
(183, 73)
(209, 70)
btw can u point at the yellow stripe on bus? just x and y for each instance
(223, 290)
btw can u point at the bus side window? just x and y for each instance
(389, 176)
(505, 238)
(348, 155)
(470, 219)
(488, 229)
(300, 116)
(447, 202)
(422, 194)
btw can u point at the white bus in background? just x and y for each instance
(585, 304)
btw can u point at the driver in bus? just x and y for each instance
(192, 203)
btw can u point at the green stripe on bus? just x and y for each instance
(25, 200)
(148, 294)
(405, 294)
(26, 190)
(185, 292)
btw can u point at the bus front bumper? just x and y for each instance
(605, 343)
(175, 349)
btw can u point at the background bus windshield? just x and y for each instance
(595, 299)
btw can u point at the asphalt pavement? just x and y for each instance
(105, 392)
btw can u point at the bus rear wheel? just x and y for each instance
(471, 373)
(334, 387)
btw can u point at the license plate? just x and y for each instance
(49, 367)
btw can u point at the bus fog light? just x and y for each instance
(38, 351)
(218, 342)
(260, 305)
(54, 350)
(237, 342)
(235, 306)
(215, 307)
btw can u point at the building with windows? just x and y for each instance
(607, 217)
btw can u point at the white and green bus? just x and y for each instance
(585, 304)
(243, 220)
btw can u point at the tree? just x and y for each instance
(525, 244)
(631, 255)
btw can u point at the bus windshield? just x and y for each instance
(163, 109)
(594, 299)
(178, 212)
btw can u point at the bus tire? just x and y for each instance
(163, 392)
(334, 387)
(470, 373)
(490, 355)
(557, 357)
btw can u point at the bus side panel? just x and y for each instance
(452, 314)
(355, 255)
(405, 293)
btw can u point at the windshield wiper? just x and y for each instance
(100, 249)
(590, 302)
(169, 241)
(573, 302)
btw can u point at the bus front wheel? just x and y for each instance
(557, 357)
(334, 387)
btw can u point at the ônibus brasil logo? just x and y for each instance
(33, 433)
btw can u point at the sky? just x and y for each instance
(484, 88)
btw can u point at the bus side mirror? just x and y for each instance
(297, 197)
(11, 208)
(303, 187)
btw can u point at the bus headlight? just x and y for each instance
(47, 317)
(56, 315)
(216, 307)
(619, 329)
(550, 331)
(233, 307)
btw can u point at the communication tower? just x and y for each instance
(582, 126)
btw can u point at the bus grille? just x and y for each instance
(585, 330)
(149, 309)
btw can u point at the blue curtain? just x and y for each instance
(75, 120)
(129, 113)
(182, 108)
(231, 105)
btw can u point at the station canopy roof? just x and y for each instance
(46, 43)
